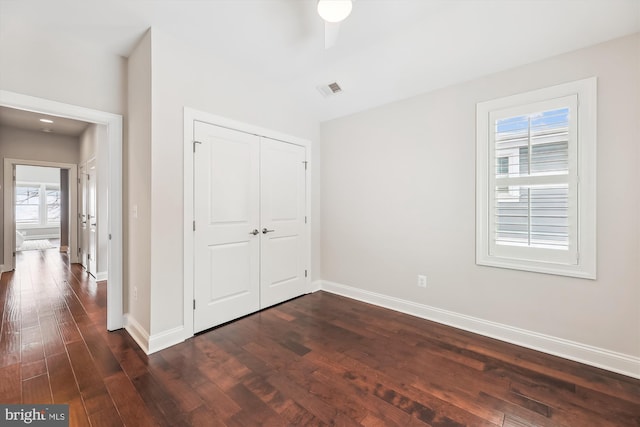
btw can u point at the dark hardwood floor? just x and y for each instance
(317, 360)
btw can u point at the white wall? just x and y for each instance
(137, 265)
(73, 74)
(184, 77)
(88, 143)
(94, 145)
(28, 145)
(398, 199)
(38, 174)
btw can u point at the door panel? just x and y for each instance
(226, 207)
(230, 271)
(283, 203)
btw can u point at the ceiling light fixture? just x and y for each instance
(334, 10)
(46, 121)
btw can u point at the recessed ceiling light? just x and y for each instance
(46, 121)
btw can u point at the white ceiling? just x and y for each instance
(387, 49)
(28, 120)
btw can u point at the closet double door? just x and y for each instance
(250, 239)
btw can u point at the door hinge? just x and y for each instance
(305, 164)
(305, 273)
(14, 254)
(194, 145)
(78, 180)
(305, 219)
(194, 226)
(194, 304)
(109, 236)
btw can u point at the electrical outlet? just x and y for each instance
(422, 281)
(135, 293)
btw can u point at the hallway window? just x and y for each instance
(27, 204)
(53, 204)
(37, 204)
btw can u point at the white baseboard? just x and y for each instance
(101, 276)
(152, 343)
(583, 353)
(316, 286)
(165, 339)
(1, 269)
(137, 332)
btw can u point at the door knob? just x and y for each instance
(265, 231)
(255, 232)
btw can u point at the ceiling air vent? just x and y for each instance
(329, 89)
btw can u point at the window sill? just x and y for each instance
(578, 271)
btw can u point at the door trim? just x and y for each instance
(9, 222)
(112, 149)
(191, 116)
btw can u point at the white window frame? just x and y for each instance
(580, 259)
(43, 206)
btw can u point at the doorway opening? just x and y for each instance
(41, 206)
(110, 148)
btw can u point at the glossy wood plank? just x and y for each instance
(10, 387)
(129, 403)
(313, 361)
(37, 390)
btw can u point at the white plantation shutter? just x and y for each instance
(535, 206)
(534, 196)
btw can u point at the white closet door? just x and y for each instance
(283, 238)
(226, 207)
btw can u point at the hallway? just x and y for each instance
(53, 345)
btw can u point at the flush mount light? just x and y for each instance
(334, 10)
(46, 121)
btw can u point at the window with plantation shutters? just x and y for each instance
(536, 181)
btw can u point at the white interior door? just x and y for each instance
(282, 218)
(92, 224)
(226, 210)
(82, 216)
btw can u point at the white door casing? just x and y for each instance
(226, 253)
(282, 221)
(9, 208)
(92, 246)
(191, 119)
